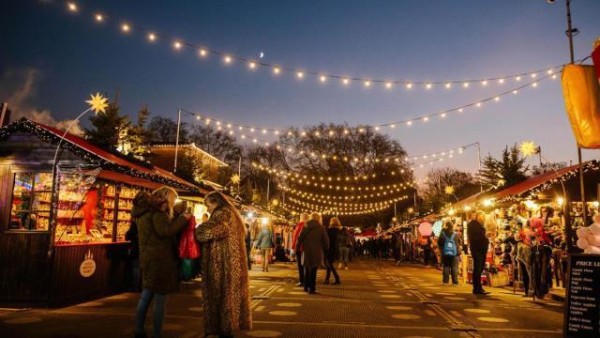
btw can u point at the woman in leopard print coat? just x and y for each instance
(225, 290)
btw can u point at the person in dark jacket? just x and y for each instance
(158, 259)
(133, 254)
(450, 253)
(332, 254)
(478, 245)
(313, 239)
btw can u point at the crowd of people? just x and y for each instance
(164, 234)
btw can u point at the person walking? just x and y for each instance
(158, 261)
(478, 245)
(264, 242)
(295, 235)
(343, 245)
(333, 231)
(449, 244)
(314, 241)
(225, 286)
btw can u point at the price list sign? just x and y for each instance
(582, 311)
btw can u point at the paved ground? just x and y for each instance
(375, 299)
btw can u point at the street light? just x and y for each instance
(570, 33)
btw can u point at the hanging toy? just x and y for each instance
(589, 237)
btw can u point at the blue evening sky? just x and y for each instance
(51, 60)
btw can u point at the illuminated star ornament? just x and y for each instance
(449, 190)
(235, 179)
(528, 148)
(98, 103)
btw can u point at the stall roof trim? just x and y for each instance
(116, 163)
(534, 182)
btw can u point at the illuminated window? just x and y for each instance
(30, 206)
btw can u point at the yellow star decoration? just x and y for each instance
(528, 148)
(98, 103)
(235, 179)
(449, 190)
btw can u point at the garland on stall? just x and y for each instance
(46, 135)
(593, 165)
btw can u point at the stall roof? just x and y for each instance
(111, 162)
(534, 182)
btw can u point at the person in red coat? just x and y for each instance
(295, 235)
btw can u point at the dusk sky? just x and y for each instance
(52, 59)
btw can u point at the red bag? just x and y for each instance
(188, 247)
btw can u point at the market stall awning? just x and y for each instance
(470, 200)
(109, 161)
(536, 181)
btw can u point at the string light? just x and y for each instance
(347, 205)
(99, 17)
(337, 197)
(345, 80)
(333, 211)
(422, 118)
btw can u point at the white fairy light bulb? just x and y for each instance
(518, 78)
(276, 70)
(252, 65)
(151, 37)
(177, 45)
(300, 75)
(345, 81)
(99, 17)
(428, 86)
(367, 84)
(323, 78)
(202, 52)
(484, 83)
(448, 85)
(125, 28)
(409, 86)
(500, 81)
(466, 85)
(388, 85)
(72, 6)
(227, 59)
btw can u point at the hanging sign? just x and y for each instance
(582, 318)
(88, 266)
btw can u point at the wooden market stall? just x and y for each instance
(62, 237)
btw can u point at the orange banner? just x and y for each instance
(582, 101)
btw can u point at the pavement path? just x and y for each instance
(375, 299)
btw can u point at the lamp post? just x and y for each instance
(570, 33)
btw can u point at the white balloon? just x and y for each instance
(583, 232)
(592, 250)
(595, 228)
(593, 239)
(582, 243)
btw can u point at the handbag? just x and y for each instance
(188, 247)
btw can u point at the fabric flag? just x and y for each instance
(596, 58)
(581, 92)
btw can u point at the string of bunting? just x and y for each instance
(299, 73)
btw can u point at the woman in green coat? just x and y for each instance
(158, 261)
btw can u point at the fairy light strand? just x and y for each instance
(300, 73)
(234, 128)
